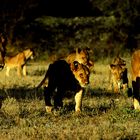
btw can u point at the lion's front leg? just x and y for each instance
(78, 100)
(116, 86)
(47, 96)
(24, 70)
(136, 104)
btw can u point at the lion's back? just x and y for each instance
(16, 60)
(60, 74)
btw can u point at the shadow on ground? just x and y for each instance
(21, 93)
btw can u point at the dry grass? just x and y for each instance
(105, 115)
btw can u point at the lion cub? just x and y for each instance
(118, 73)
(18, 61)
(62, 78)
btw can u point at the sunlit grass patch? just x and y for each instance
(10, 107)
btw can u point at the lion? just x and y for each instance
(62, 78)
(119, 78)
(82, 56)
(135, 67)
(119, 72)
(18, 61)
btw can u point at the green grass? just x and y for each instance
(105, 115)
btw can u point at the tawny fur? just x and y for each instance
(81, 56)
(118, 75)
(18, 61)
(135, 67)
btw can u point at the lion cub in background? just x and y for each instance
(18, 61)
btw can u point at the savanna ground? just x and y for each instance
(104, 115)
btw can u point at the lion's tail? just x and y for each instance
(44, 81)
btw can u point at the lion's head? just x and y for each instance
(81, 56)
(81, 73)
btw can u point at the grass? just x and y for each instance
(105, 115)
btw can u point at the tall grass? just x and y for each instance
(105, 115)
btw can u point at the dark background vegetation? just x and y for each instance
(108, 27)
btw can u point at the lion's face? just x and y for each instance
(29, 53)
(117, 72)
(81, 73)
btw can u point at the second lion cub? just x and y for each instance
(18, 61)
